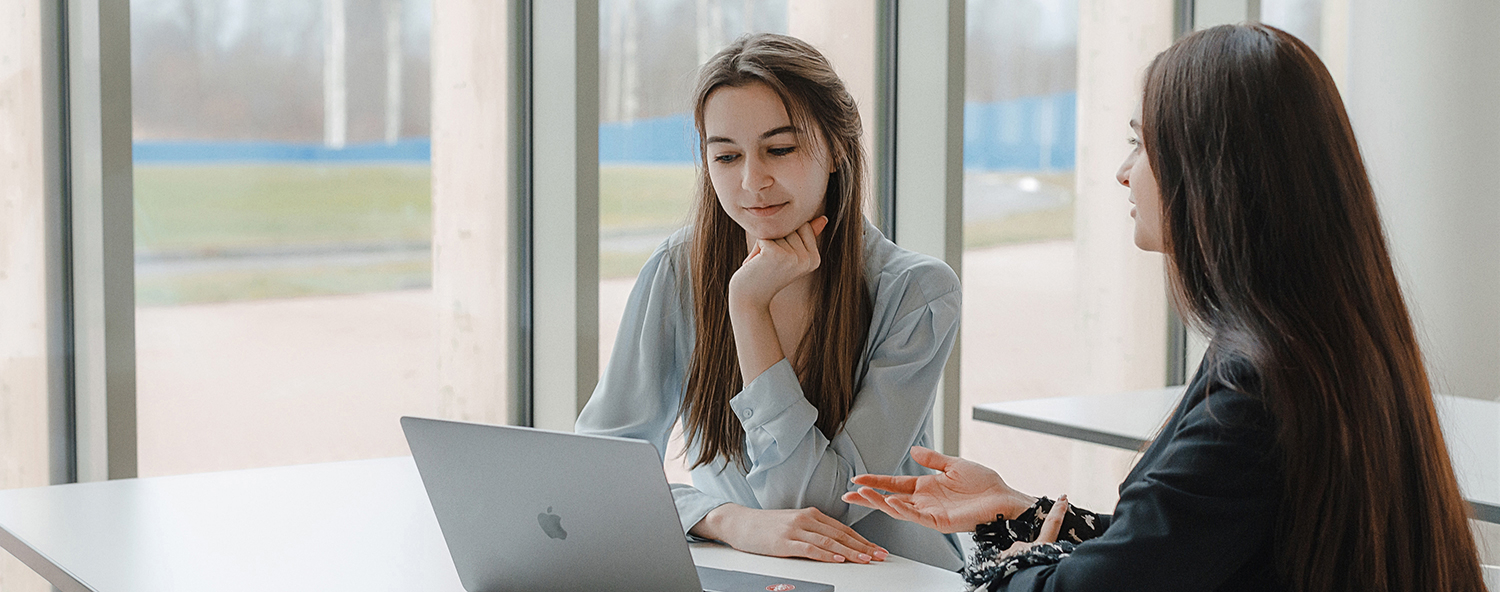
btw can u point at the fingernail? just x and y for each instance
(881, 554)
(863, 557)
(838, 558)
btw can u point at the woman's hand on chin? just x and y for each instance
(774, 264)
(962, 495)
(807, 533)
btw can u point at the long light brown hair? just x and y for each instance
(1275, 248)
(826, 358)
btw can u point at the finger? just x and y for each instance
(837, 547)
(932, 459)
(814, 552)
(893, 483)
(855, 498)
(793, 243)
(808, 237)
(809, 244)
(753, 252)
(896, 507)
(846, 534)
(870, 498)
(784, 244)
(1016, 548)
(818, 224)
(1052, 526)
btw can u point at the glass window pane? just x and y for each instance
(283, 211)
(1020, 334)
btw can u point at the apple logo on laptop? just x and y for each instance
(551, 524)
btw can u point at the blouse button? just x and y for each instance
(746, 414)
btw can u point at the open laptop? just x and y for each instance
(530, 509)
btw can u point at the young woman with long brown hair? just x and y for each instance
(1306, 453)
(797, 345)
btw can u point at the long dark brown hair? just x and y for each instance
(1276, 250)
(825, 360)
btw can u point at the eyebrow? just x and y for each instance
(775, 132)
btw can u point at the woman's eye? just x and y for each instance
(782, 151)
(1133, 141)
(726, 158)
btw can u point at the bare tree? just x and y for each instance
(393, 59)
(335, 91)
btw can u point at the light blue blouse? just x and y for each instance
(792, 465)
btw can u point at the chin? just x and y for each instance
(1141, 243)
(1146, 244)
(767, 231)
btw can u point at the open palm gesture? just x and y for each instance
(961, 496)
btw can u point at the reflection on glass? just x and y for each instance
(283, 226)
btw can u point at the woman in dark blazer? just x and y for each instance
(1305, 454)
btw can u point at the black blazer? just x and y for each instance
(1198, 512)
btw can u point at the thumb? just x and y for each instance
(930, 458)
(818, 224)
(1052, 526)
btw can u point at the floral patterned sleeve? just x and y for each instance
(990, 565)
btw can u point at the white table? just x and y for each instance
(1129, 420)
(357, 525)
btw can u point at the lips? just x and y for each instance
(766, 211)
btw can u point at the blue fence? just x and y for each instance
(1030, 133)
(188, 151)
(664, 140)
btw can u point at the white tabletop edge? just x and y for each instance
(1061, 416)
(40, 563)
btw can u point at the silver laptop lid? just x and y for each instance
(530, 509)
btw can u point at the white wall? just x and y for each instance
(1424, 96)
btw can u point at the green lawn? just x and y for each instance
(632, 197)
(204, 209)
(208, 208)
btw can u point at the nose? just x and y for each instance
(756, 175)
(1123, 175)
